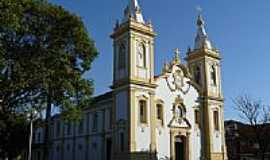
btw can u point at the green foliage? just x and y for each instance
(48, 50)
(13, 133)
(44, 52)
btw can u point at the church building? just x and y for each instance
(176, 115)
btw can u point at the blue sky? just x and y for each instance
(240, 29)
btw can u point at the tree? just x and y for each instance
(257, 115)
(44, 52)
(13, 129)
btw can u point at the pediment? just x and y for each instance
(179, 123)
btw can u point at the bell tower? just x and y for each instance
(133, 41)
(133, 83)
(204, 62)
(204, 65)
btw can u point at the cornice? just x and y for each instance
(135, 26)
(203, 53)
(132, 81)
(220, 99)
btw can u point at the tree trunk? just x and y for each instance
(47, 135)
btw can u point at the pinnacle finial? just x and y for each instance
(177, 52)
(201, 40)
(176, 56)
(200, 21)
(134, 11)
(165, 68)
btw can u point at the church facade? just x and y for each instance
(177, 115)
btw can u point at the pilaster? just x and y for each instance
(132, 121)
(152, 122)
(152, 61)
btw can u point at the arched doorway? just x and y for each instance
(179, 146)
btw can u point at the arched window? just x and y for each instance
(110, 118)
(197, 74)
(213, 75)
(180, 111)
(38, 137)
(197, 117)
(143, 111)
(58, 128)
(81, 127)
(80, 147)
(57, 148)
(141, 55)
(95, 122)
(122, 56)
(216, 120)
(159, 112)
(68, 147)
(122, 141)
(68, 128)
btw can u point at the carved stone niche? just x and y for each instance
(176, 80)
(179, 119)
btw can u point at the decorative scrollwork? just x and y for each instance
(164, 158)
(177, 84)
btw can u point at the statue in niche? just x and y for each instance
(178, 77)
(141, 55)
(179, 110)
